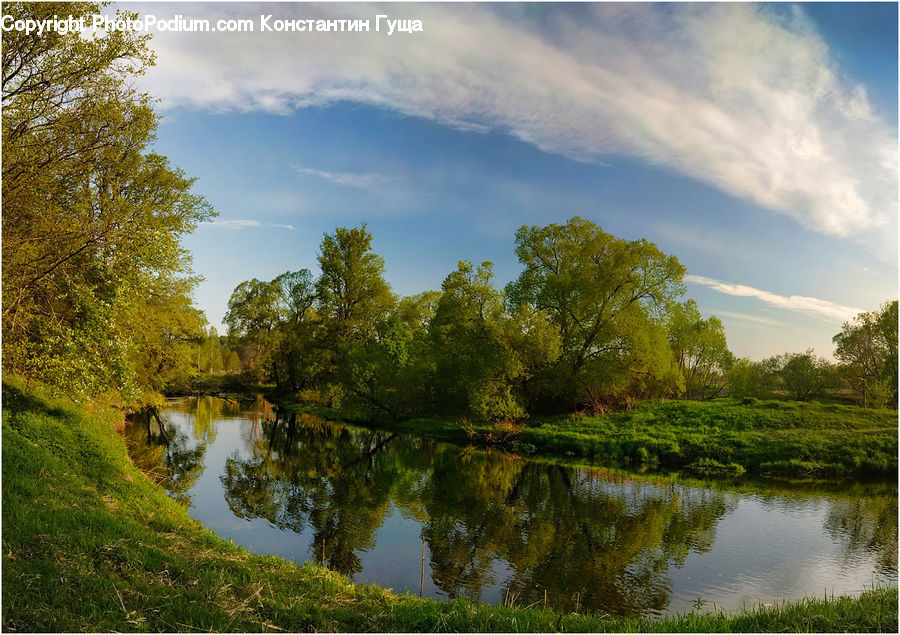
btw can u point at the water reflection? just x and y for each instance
(166, 454)
(308, 472)
(495, 525)
(866, 526)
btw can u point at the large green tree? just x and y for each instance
(391, 373)
(255, 311)
(700, 350)
(608, 298)
(275, 323)
(92, 219)
(484, 356)
(354, 303)
(352, 293)
(295, 359)
(867, 350)
(804, 376)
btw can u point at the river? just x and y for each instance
(415, 515)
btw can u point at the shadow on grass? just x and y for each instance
(17, 400)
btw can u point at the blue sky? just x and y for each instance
(757, 143)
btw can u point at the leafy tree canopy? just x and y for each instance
(601, 292)
(96, 286)
(867, 349)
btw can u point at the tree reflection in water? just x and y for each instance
(165, 453)
(866, 525)
(584, 539)
(559, 530)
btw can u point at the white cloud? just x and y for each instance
(821, 308)
(361, 180)
(244, 223)
(748, 318)
(730, 94)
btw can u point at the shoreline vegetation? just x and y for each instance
(98, 546)
(725, 437)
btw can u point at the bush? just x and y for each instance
(493, 401)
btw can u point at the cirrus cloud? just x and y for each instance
(362, 180)
(816, 306)
(733, 95)
(243, 223)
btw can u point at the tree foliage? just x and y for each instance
(484, 355)
(96, 287)
(805, 376)
(255, 311)
(867, 350)
(352, 294)
(471, 349)
(700, 350)
(608, 298)
(592, 321)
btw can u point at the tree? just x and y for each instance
(354, 302)
(92, 220)
(163, 330)
(804, 376)
(867, 350)
(296, 357)
(797, 376)
(746, 378)
(605, 295)
(392, 373)
(484, 356)
(233, 362)
(700, 350)
(255, 311)
(474, 365)
(353, 296)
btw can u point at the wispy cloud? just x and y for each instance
(731, 94)
(244, 223)
(748, 318)
(362, 180)
(822, 308)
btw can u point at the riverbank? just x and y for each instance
(723, 437)
(90, 544)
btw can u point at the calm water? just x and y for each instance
(497, 527)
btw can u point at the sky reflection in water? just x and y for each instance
(497, 527)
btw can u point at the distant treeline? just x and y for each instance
(592, 322)
(215, 356)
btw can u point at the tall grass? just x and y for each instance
(730, 436)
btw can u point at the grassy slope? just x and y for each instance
(90, 544)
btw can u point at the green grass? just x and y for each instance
(730, 436)
(89, 544)
(720, 438)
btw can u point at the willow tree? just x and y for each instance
(866, 347)
(700, 349)
(484, 356)
(92, 219)
(608, 297)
